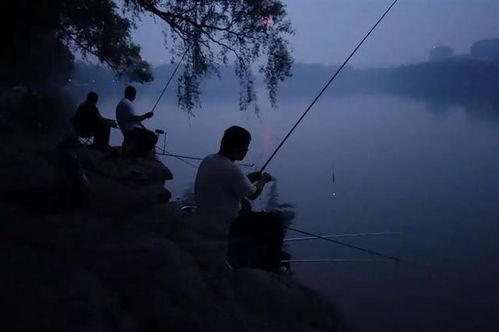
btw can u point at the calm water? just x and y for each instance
(426, 170)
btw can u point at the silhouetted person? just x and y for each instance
(221, 184)
(88, 122)
(138, 142)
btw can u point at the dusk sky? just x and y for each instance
(327, 30)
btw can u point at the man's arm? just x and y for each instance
(111, 122)
(140, 118)
(259, 184)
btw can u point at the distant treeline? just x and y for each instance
(455, 78)
(102, 80)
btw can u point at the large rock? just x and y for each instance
(40, 180)
(111, 165)
(41, 293)
(269, 302)
(70, 178)
(140, 273)
(125, 263)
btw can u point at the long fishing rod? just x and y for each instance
(164, 152)
(170, 79)
(330, 260)
(339, 236)
(168, 154)
(327, 85)
(372, 252)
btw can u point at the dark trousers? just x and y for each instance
(139, 142)
(100, 130)
(101, 134)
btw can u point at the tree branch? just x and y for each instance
(87, 48)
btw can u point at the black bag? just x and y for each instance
(256, 240)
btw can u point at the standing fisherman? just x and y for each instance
(221, 185)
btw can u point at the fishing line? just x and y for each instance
(330, 260)
(372, 252)
(168, 154)
(164, 152)
(412, 264)
(327, 85)
(337, 236)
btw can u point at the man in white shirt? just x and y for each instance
(220, 183)
(141, 140)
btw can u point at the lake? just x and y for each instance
(427, 170)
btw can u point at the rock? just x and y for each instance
(140, 172)
(73, 178)
(40, 293)
(140, 273)
(41, 180)
(25, 173)
(124, 262)
(276, 303)
(161, 285)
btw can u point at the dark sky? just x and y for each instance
(327, 30)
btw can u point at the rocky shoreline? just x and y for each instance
(91, 242)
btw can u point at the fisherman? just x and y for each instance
(221, 185)
(138, 141)
(88, 122)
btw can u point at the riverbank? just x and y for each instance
(91, 242)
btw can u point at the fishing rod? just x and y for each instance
(338, 236)
(170, 79)
(372, 252)
(326, 86)
(330, 260)
(168, 154)
(164, 152)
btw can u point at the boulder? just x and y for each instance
(41, 293)
(138, 171)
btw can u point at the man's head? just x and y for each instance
(130, 93)
(92, 97)
(235, 143)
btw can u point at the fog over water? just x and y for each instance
(427, 170)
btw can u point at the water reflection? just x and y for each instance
(476, 109)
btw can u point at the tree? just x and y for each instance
(211, 33)
(40, 35)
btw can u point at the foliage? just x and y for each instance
(32, 54)
(95, 27)
(214, 32)
(211, 33)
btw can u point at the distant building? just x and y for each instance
(487, 49)
(439, 53)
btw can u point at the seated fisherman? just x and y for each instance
(221, 184)
(140, 139)
(88, 122)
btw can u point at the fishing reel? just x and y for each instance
(158, 133)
